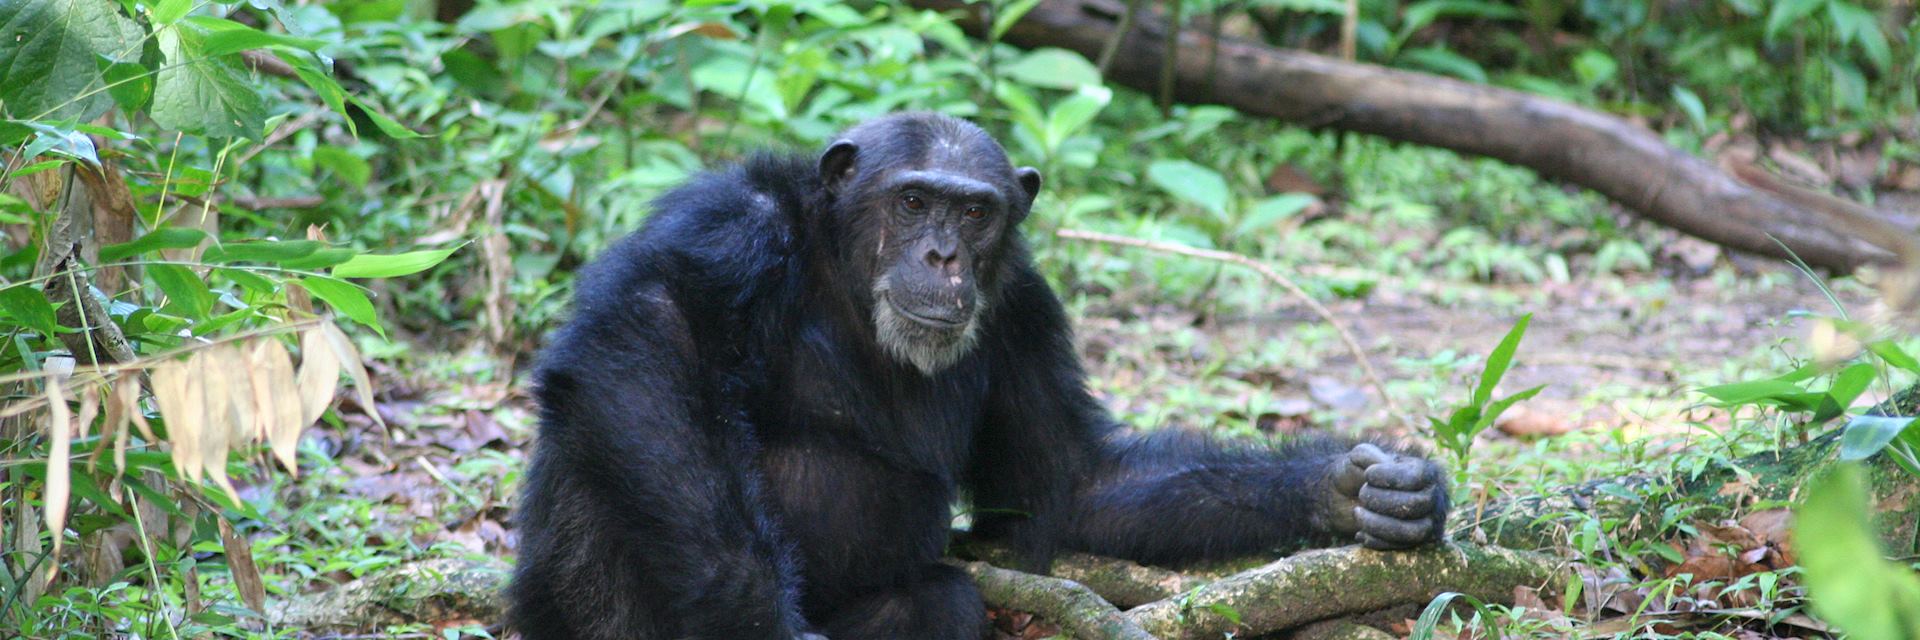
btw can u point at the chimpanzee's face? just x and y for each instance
(938, 201)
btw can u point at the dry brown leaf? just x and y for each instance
(59, 483)
(276, 397)
(319, 373)
(246, 576)
(227, 397)
(350, 360)
(120, 411)
(90, 409)
(176, 389)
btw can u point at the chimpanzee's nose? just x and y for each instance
(942, 260)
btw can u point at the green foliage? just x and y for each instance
(1849, 581)
(1457, 432)
(50, 69)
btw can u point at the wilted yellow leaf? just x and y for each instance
(90, 409)
(59, 482)
(177, 391)
(276, 400)
(350, 360)
(228, 399)
(319, 373)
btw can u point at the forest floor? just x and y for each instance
(1618, 357)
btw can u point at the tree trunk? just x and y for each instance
(1625, 162)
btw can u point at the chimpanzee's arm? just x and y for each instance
(1176, 496)
(1171, 496)
(642, 515)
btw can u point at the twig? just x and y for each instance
(1349, 31)
(1170, 63)
(1119, 33)
(1353, 346)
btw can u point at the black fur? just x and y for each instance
(726, 453)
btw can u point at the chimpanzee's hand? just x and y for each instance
(1386, 500)
(811, 636)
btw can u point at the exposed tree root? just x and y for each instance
(1078, 610)
(1285, 594)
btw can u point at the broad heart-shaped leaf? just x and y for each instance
(1850, 582)
(1867, 435)
(1193, 183)
(48, 50)
(388, 266)
(198, 94)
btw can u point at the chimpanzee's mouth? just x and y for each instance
(936, 322)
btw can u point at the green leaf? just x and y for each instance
(130, 84)
(239, 37)
(1073, 113)
(322, 84)
(351, 168)
(1850, 383)
(197, 94)
(269, 251)
(1500, 360)
(1894, 355)
(1270, 211)
(162, 238)
(1752, 391)
(1788, 12)
(389, 266)
(344, 297)
(1420, 14)
(386, 125)
(48, 50)
(1690, 104)
(1052, 68)
(1192, 183)
(187, 294)
(167, 12)
(1493, 411)
(1010, 13)
(29, 307)
(1867, 435)
(1847, 577)
(1857, 25)
(1442, 61)
(320, 259)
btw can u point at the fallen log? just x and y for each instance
(1599, 151)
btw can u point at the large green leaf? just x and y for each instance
(1851, 584)
(344, 297)
(1053, 69)
(48, 53)
(1867, 435)
(389, 266)
(28, 306)
(200, 94)
(1193, 183)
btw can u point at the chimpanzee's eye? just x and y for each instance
(976, 212)
(913, 203)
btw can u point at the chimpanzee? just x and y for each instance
(769, 397)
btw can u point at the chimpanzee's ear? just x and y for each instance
(836, 165)
(1029, 179)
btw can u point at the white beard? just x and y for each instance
(926, 348)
